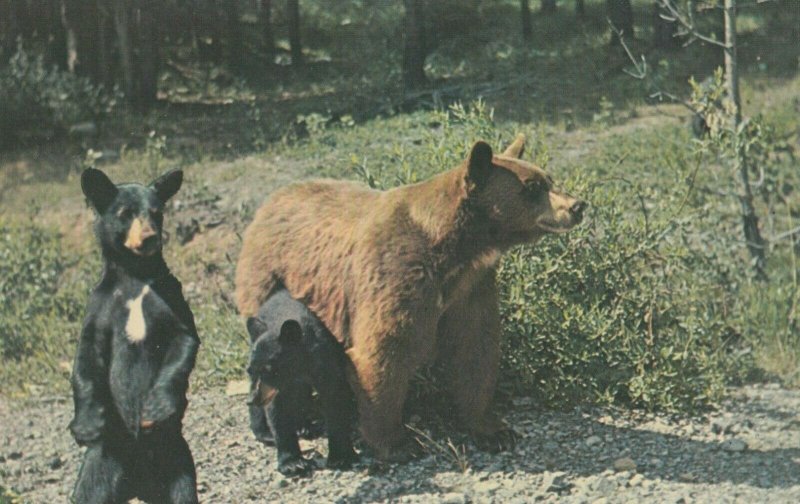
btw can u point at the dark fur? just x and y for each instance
(292, 351)
(130, 396)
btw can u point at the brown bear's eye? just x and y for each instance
(536, 188)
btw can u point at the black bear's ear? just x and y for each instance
(98, 189)
(479, 163)
(291, 333)
(168, 184)
(255, 327)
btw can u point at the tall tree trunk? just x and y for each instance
(79, 18)
(235, 47)
(752, 235)
(525, 12)
(580, 8)
(293, 8)
(138, 35)
(620, 13)
(104, 65)
(663, 30)
(122, 27)
(148, 45)
(267, 31)
(548, 7)
(414, 50)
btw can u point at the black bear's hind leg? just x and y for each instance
(259, 425)
(101, 479)
(174, 467)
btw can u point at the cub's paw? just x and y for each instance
(86, 430)
(158, 408)
(342, 460)
(296, 466)
(501, 440)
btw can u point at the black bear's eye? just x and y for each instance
(125, 213)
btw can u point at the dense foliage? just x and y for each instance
(40, 101)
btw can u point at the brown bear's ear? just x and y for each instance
(479, 163)
(291, 333)
(98, 189)
(517, 147)
(255, 327)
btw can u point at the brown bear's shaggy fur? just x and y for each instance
(405, 276)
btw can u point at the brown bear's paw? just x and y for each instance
(402, 453)
(501, 440)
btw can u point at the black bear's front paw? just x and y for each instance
(296, 466)
(87, 428)
(501, 440)
(158, 408)
(342, 460)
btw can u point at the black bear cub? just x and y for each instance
(136, 351)
(292, 351)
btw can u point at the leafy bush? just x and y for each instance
(634, 306)
(39, 101)
(37, 302)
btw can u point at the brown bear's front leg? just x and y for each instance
(469, 335)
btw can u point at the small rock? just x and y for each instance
(453, 498)
(56, 463)
(237, 387)
(604, 486)
(624, 464)
(486, 486)
(636, 480)
(65, 366)
(733, 445)
(593, 440)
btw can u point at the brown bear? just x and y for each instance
(405, 276)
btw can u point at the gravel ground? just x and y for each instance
(748, 451)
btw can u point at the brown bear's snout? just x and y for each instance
(576, 210)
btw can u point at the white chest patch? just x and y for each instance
(136, 328)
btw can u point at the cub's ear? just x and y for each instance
(168, 184)
(517, 147)
(98, 189)
(255, 327)
(291, 333)
(479, 163)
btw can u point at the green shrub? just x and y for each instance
(34, 295)
(37, 101)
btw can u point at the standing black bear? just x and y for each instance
(291, 351)
(136, 351)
